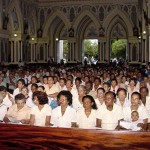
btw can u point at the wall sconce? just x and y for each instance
(140, 37)
(56, 39)
(15, 35)
(32, 39)
(144, 32)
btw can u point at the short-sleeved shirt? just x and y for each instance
(22, 114)
(40, 115)
(65, 120)
(86, 122)
(108, 118)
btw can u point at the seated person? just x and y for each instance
(136, 124)
(19, 111)
(8, 98)
(41, 112)
(63, 115)
(3, 109)
(108, 117)
(86, 117)
(20, 85)
(136, 105)
(29, 101)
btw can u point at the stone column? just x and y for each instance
(35, 52)
(12, 51)
(15, 51)
(72, 56)
(21, 47)
(101, 51)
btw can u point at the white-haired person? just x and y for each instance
(19, 112)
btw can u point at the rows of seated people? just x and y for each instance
(82, 97)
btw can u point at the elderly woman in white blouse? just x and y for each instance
(86, 117)
(77, 102)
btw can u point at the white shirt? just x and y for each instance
(29, 102)
(74, 93)
(40, 115)
(98, 103)
(93, 89)
(127, 103)
(147, 106)
(76, 104)
(143, 114)
(16, 91)
(7, 101)
(62, 89)
(86, 122)
(3, 111)
(110, 118)
(65, 120)
(114, 90)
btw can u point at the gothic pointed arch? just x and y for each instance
(50, 20)
(14, 10)
(114, 16)
(79, 18)
(117, 28)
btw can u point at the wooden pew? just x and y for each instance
(31, 137)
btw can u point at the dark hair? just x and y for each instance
(133, 79)
(70, 81)
(63, 80)
(144, 88)
(50, 77)
(25, 88)
(19, 97)
(106, 83)
(112, 93)
(3, 88)
(102, 89)
(96, 78)
(35, 85)
(44, 77)
(34, 78)
(114, 80)
(41, 96)
(78, 79)
(136, 93)
(94, 106)
(67, 94)
(41, 86)
(22, 81)
(122, 89)
(134, 111)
